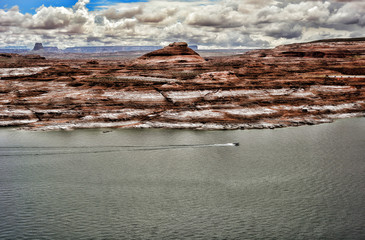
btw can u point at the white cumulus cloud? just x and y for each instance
(208, 23)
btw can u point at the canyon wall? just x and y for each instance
(289, 85)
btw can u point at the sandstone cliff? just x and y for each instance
(287, 86)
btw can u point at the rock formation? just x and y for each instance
(13, 60)
(177, 52)
(260, 89)
(38, 46)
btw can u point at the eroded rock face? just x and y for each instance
(260, 89)
(321, 50)
(221, 77)
(177, 52)
(13, 60)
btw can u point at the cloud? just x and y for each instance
(351, 13)
(348, 0)
(208, 23)
(81, 4)
(94, 39)
(12, 17)
(213, 16)
(153, 17)
(284, 30)
(50, 18)
(114, 14)
(65, 20)
(311, 12)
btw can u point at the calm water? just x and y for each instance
(294, 183)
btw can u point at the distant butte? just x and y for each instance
(177, 52)
(38, 46)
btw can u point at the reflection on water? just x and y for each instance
(293, 183)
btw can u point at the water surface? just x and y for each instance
(293, 183)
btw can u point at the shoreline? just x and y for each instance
(193, 126)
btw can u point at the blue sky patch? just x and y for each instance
(30, 6)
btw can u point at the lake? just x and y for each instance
(293, 183)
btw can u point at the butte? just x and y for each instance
(174, 53)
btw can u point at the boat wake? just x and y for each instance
(60, 150)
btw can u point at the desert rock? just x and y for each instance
(259, 89)
(177, 52)
(38, 46)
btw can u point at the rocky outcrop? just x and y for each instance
(13, 60)
(38, 46)
(177, 52)
(322, 49)
(259, 89)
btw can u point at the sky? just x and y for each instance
(207, 23)
(30, 6)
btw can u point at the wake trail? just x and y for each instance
(50, 150)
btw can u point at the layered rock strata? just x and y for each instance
(259, 89)
(177, 52)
